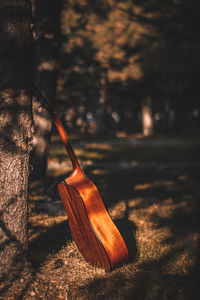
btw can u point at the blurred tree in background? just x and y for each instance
(47, 41)
(122, 58)
(129, 66)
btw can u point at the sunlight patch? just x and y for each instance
(99, 171)
(117, 211)
(134, 202)
(159, 183)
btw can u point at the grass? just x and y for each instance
(105, 152)
(157, 212)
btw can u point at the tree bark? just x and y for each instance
(15, 140)
(47, 18)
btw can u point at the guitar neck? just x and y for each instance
(65, 140)
(45, 103)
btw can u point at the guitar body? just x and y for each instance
(93, 231)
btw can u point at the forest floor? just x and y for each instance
(151, 189)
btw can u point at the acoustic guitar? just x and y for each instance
(92, 229)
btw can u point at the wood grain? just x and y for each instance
(82, 232)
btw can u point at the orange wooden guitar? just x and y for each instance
(92, 229)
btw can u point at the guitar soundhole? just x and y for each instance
(82, 232)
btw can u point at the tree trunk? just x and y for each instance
(180, 118)
(147, 118)
(15, 139)
(47, 15)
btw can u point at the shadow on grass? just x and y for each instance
(48, 242)
(143, 285)
(128, 230)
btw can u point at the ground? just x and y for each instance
(151, 190)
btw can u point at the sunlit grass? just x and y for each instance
(139, 153)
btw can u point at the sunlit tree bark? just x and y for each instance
(15, 139)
